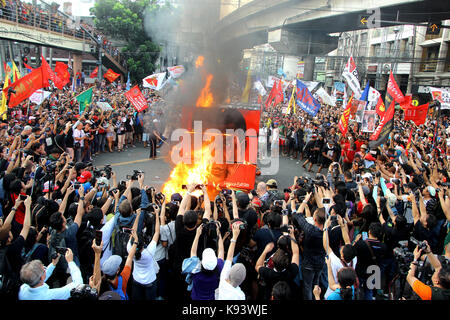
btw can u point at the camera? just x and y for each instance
(422, 245)
(404, 259)
(61, 250)
(226, 192)
(77, 185)
(111, 192)
(83, 292)
(278, 203)
(135, 175)
(218, 200)
(51, 167)
(159, 196)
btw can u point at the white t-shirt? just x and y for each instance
(336, 264)
(275, 135)
(226, 291)
(78, 134)
(146, 268)
(167, 233)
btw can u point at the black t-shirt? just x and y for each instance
(69, 139)
(335, 238)
(262, 237)
(365, 257)
(270, 277)
(392, 236)
(432, 236)
(248, 215)
(329, 151)
(14, 254)
(183, 243)
(60, 141)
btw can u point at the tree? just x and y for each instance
(123, 20)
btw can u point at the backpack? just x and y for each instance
(8, 281)
(119, 240)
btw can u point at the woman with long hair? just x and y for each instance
(110, 135)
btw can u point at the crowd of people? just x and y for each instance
(371, 224)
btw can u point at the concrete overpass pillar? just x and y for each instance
(309, 68)
(77, 62)
(2, 58)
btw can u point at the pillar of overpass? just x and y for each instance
(308, 73)
(77, 62)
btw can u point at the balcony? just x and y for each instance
(428, 66)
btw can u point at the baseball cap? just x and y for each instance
(411, 185)
(27, 128)
(209, 259)
(363, 147)
(111, 265)
(271, 183)
(237, 274)
(176, 197)
(432, 191)
(85, 176)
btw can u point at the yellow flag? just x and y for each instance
(3, 105)
(291, 101)
(15, 72)
(247, 88)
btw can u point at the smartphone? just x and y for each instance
(278, 203)
(358, 178)
(326, 201)
(22, 197)
(61, 250)
(364, 236)
(98, 237)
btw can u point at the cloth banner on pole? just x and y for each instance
(305, 100)
(442, 95)
(39, 96)
(25, 86)
(154, 81)
(350, 74)
(137, 99)
(176, 71)
(111, 75)
(84, 98)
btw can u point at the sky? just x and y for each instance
(79, 7)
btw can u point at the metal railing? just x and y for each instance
(55, 23)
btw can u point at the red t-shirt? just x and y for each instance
(348, 153)
(20, 212)
(358, 145)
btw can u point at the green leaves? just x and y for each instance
(123, 20)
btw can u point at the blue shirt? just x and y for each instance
(45, 293)
(336, 295)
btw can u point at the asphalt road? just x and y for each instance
(157, 171)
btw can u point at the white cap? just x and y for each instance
(209, 259)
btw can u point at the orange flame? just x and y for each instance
(199, 61)
(206, 98)
(185, 174)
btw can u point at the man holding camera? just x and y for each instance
(441, 277)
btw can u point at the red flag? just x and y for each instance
(408, 145)
(394, 90)
(111, 75)
(137, 99)
(271, 95)
(417, 114)
(388, 116)
(62, 75)
(26, 85)
(94, 73)
(279, 93)
(380, 108)
(47, 71)
(343, 122)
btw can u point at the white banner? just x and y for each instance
(271, 80)
(350, 74)
(442, 95)
(154, 81)
(326, 98)
(176, 71)
(39, 96)
(105, 106)
(259, 86)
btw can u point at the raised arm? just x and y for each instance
(185, 200)
(236, 231)
(80, 209)
(331, 282)
(235, 207)
(294, 246)
(445, 204)
(325, 240)
(195, 242)
(157, 222)
(220, 249)
(269, 247)
(344, 230)
(207, 214)
(27, 221)
(63, 205)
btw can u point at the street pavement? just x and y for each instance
(157, 171)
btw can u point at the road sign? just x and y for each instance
(363, 19)
(434, 27)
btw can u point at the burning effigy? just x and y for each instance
(218, 143)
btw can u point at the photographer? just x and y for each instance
(34, 275)
(441, 277)
(314, 253)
